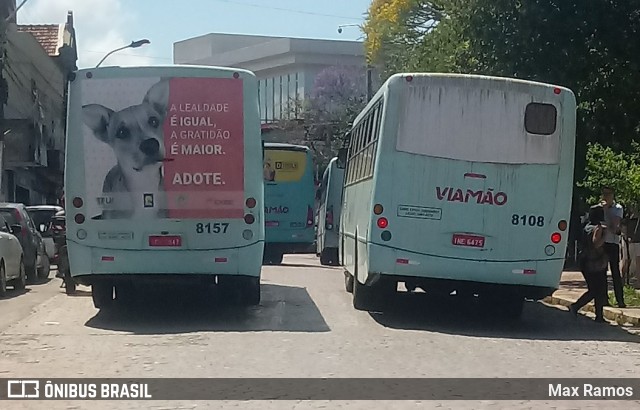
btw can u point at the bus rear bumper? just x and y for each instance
(89, 265)
(538, 278)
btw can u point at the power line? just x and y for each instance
(311, 13)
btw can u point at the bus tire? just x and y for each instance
(363, 295)
(251, 291)
(505, 306)
(70, 286)
(276, 258)
(325, 257)
(348, 282)
(334, 257)
(102, 295)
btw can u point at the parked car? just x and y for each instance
(36, 261)
(42, 215)
(12, 270)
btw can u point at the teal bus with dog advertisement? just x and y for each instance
(163, 181)
(461, 186)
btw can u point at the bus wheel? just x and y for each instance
(251, 291)
(334, 257)
(505, 306)
(102, 295)
(325, 257)
(512, 307)
(276, 258)
(348, 282)
(363, 296)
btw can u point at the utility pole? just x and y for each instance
(9, 11)
(369, 82)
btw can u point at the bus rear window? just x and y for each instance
(284, 165)
(540, 119)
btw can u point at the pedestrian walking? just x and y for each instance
(613, 213)
(593, 263)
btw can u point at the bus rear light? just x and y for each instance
(402, 261)
(309, 216)
(78, 202)
(386, 236)
(378, 209)
(383, 223)
(409, 78)
(108, 259)
(556, 237)
(249, 219)
(236, 75)
(79, 218)
(562, 225)
(329, 218)
(251, 203)
(557, 91)
(247, 234)
(220, 260)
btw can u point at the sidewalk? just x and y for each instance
(572, 286)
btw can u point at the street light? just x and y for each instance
(346, 25)
(134, 44)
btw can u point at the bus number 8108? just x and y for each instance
(527, 220)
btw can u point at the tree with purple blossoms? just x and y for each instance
(324, 117)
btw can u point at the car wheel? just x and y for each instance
(32, 271)
(45, 269)
(21, 282)
(3, 280)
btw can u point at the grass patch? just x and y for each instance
(631, 297)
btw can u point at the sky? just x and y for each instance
(103, 25)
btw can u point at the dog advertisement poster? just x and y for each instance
(164, 147)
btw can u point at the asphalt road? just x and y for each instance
(304, 327)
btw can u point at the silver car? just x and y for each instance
(41, 215)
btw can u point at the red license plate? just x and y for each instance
(165, 240)
(473, 241)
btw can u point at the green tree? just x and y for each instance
(619, 170)
(395, 29)
(590, 47)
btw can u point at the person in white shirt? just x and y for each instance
(613, 213)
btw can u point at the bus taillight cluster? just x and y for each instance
(382, 222)
(556, 237)
(79, 217)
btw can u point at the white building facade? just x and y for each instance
(286, 68)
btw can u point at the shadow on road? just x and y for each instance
(175, 310)
(12, 293)
(538, 322)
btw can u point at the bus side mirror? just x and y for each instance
(342, 158)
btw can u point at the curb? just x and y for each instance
(613, 314)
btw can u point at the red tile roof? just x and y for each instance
(48, 35)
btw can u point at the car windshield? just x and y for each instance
(9, 216)
(42, 217)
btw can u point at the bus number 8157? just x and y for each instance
(216, 227)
